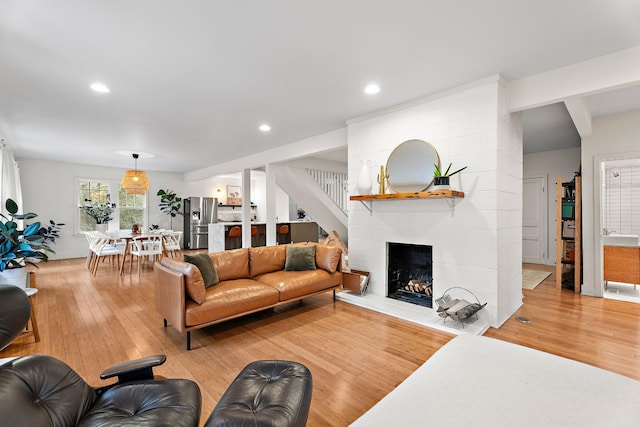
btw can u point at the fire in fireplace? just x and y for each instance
(409, 273)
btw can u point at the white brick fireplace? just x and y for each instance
(479, 246)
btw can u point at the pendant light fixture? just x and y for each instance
(135, 181)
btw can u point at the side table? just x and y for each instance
(31, 293)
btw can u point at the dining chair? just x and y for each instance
(147, 246)
(89, 236)
(105, 246)
(172, 243)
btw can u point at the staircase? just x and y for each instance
(334, 184)
(330, 214)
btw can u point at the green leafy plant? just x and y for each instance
(170, 203)
(27, 246)
(100, 212)
(437, 173)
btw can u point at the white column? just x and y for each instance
(270, 200)
(246, 208)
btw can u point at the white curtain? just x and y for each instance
(9, 178)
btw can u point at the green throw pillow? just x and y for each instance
(205, 265)
(300, 258)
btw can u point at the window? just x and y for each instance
(91, 193)
(132, 209)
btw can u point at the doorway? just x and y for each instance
(620, 228)
(534, 220)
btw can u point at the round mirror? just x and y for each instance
(410, 166)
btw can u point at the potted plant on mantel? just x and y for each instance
(19, 248)
(101, 213)
(441, 180)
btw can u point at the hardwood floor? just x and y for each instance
(597, 331)
(356, 356)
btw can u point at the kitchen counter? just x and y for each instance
(299, 231)
(262, 222)
(629, 240)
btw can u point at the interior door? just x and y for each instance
(534, 207)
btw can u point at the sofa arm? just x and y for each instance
(134, 370)
(170, 297)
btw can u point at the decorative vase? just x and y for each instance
(441, 183)
(102, 227)
(364, 179)
(14, 276)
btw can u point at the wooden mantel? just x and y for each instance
(448, 195)
(439, 194)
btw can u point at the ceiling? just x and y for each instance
(192, 81)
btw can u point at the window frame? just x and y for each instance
(114, 189)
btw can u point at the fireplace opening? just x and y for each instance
(409, 273)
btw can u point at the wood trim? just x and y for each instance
(440, 194)
(577, 275)
(559, 247)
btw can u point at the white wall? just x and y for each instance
(478, 248)
(613, 136)
(621, 196)
(208, 188)
(509, 209)
(552, 165)
(48, 189)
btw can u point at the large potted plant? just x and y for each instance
(22, 247)
(100, 212)
(170, 204)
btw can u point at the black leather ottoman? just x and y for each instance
(273, 393)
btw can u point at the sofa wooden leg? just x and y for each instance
(334, 294)
(165, 322)
(188, 340)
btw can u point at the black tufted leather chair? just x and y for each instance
(14, 313)
(39, 390)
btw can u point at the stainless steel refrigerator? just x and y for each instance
(199, 212)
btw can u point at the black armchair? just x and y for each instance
(39, 390)
(14, 313)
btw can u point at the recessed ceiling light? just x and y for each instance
(99, 87)
(265, 128)
(372, 89)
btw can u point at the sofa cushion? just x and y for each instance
(205, 265)
(229, 298)
(300, 258)
(233, 264)
(294, 284)
(328, 257)
(266, 259)
(193, 282)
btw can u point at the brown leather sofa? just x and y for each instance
(250, 280)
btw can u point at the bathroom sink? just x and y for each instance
(621, 240)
